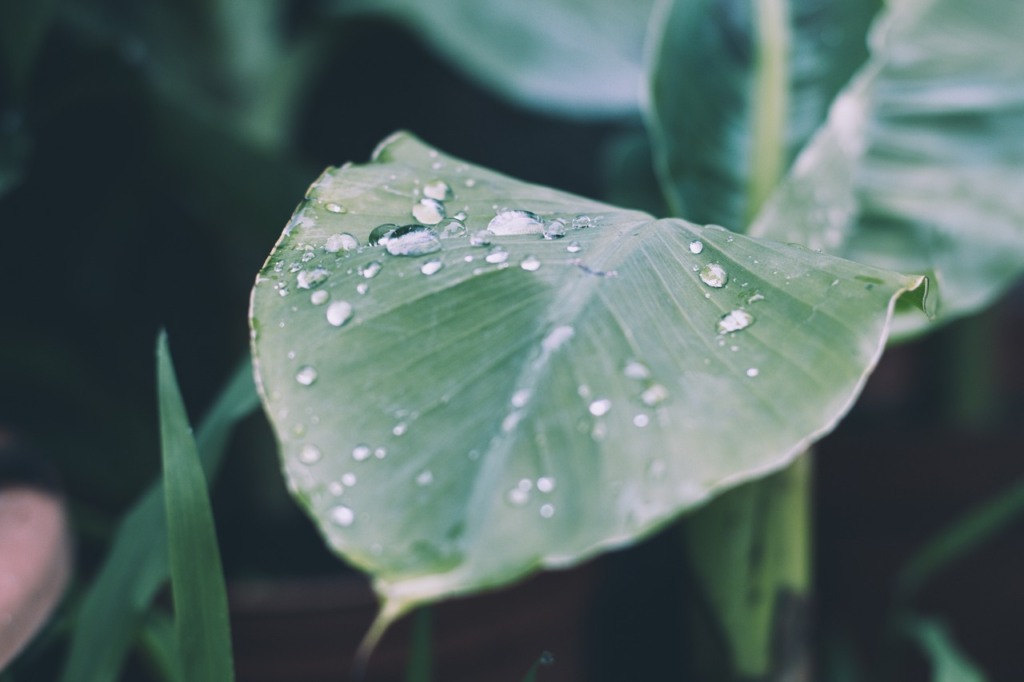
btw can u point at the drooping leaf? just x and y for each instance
(736, 89)
(920, 165)
(201, 622)
(456, 419)
(571, 57)
(949, 663)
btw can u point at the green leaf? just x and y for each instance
(734, 91)
(920, 165)
(949, 663)
(136, 567)
(533, 402)
(197, 579)
(571, 57)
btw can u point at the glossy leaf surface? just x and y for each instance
(456, 419)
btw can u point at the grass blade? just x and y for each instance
(545, 660)
(949, 663)
(197, 579)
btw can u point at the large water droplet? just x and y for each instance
(307, 279)
(428, 211)
(342, 515)
(530, 264)
(413, 240)
(451, 227)
(341, 242)
(371, 269)
(306, 375)
(319, 297)
(735, 321)
(310, 454)
(481, 238)
(600, 407)
(431, 266)
(714, 275)
(512, 221)
(381, 234)
(496, 255)
(437, 189)
(554, 229)
(360, 452)
(339, 312)
(696, 246)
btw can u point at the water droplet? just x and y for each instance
(525, 484)
(530, 264)
(308, 255)
(546, 658)
(574, 247)
(460, 216)
(557, 337)
(496, 255)
(511, 421)
(341, 242)
(334, 208)
(437, 189)
(655, 394)
(335, 488)
(342, 515)
(381, 234)
(755, 298)
(400, 428)
(734, 321)
(714, 275)
(547, 510)
(310, 454)
(635, 369)
(362, 288)
(428, 211)
(306, 375)
(380, 453)
(412, 240)
(360, 452)
(307, 279)
(545, 484)
(582, 222)
(425, 477)
(348, 479)
(451, 227)
(339, 312)
(470, 182)
(554, 229)
(753, 372)
(696, 246)
(371, 269)
(515, 222)
(481, 238)
(641, 420)
(600, 407)
(521, 397)
(431, 266)
(656, 469)
(518, 497)
(319, 297)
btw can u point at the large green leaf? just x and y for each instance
(737, 88)
(921, 163)
(456, 419)
(573, 57)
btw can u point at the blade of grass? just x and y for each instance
(197, 579)
(420, 662)
(113, 610)
(545, 660)
(159, 646)
(949, 663)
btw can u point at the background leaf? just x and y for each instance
(457, 419)
(571, 57)
(920, 165)
(736, 89)
(949, 663)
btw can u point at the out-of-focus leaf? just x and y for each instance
(456, 419)
(201, 621)
(736, 89)
(578, 58)
(23, 26)
(920, 165)
(949, 663)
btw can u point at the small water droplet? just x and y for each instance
(521, 397)
(696, 246)
(714, 275)
(470, 182)
(431, 266)
(400, 428)
(582, 222)
(362, 288)
(545, 484)
(753, 372)
(735, 321)
(755, 298)
(412, 240)
(515, 222)
(525, 484)
(547, 510)
(655, 394)
(635, 369)
(380, 453)
(518, 497)
(348, 479)
(640, 420)
(481, 238)
(451, 227)
(342, 515)
(600, 407)
(306, 375)
(360, 452)
(371, 269)
(530, 264)
(319, 297)
(308, 255)
(310, 454)
(554, 229)
(334, 208)
(335, 488)
(574, 247)
(381, 234)
(656, 469)
(341, 242)
(428, 211)
(496, 255)
(307, 279)
(557, 337)
(339, 312)
(461, 216)
(425, 477)
(437, 189)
